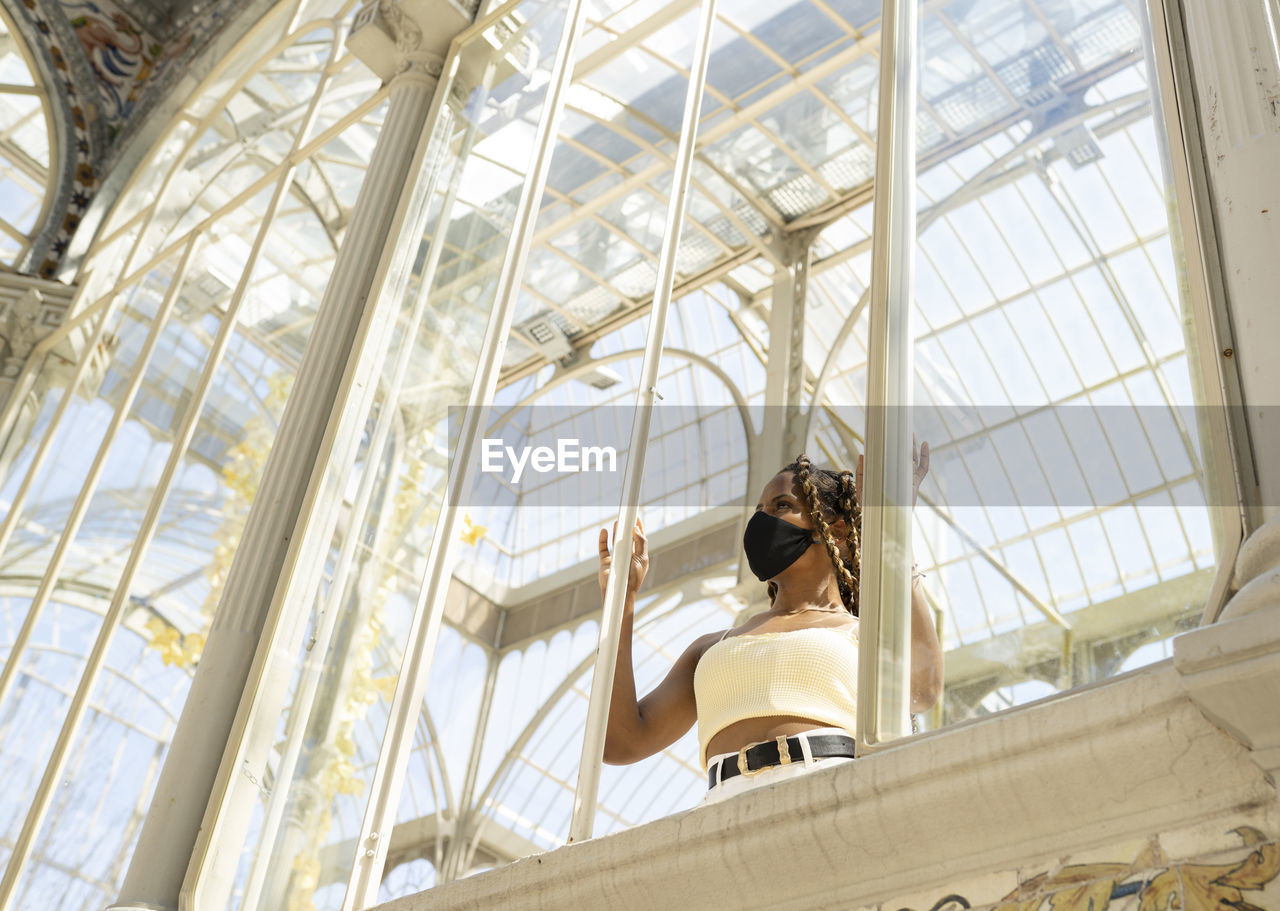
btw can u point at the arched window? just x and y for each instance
(26, 146)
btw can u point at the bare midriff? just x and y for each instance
(753, 730)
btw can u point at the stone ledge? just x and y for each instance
(1116, 760)
(1231, 671)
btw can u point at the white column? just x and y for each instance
(428, 612)
(786, 341)
(322, 392)
(1234, 50)
(587, 792)
(1231, 668)
(783, 429)
(884, 593)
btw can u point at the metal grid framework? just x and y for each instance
(26, 147)
(1046, 278)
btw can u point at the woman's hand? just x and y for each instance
(919, 468)
(639, 558)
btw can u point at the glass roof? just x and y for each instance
(128, 726)
(25, 139)
(787, 130)
(1045, 278)
(211, 176)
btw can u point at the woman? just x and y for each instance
(777, 695)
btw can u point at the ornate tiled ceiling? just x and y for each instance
(108, 64)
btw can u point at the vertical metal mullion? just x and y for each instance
(46, 443)
(457, 860)
(424, 628)
(114, 613)
(90, 286)
(28, 375)
(81, 506)
(304, 700)
(1226, 452)
(884, 595)
(586, 795)
(25, 379)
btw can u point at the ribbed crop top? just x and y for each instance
(809, 673)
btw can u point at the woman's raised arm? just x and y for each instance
(638, 728)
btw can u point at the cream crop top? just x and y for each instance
(810, 673)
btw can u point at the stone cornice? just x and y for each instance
(1231, 670)
(1116, 760)
(30, 308)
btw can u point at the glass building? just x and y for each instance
(288, 290)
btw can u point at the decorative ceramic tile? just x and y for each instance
(124, 58)
(969, 892)
(104, 72)
(1200, 840)
(1243, 879)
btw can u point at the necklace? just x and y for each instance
(820, 610)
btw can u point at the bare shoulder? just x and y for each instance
(702, 643)
(693, 653)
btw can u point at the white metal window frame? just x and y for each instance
(1205, 298)
(1227, 458)
(884, 719)
(27, 169)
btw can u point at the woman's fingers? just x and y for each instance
(920, 462)
(919, 466)
(637, 534)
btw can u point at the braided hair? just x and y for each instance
(830, 493)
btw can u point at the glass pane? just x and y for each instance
(347, 643)
(25, 143)
(1051, 353)
(1053, 382)
(83, 848)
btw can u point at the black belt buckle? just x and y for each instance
(755, 759)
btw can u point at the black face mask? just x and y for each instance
(773, 544)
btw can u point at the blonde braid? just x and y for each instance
(853, 519)
(844, 578)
